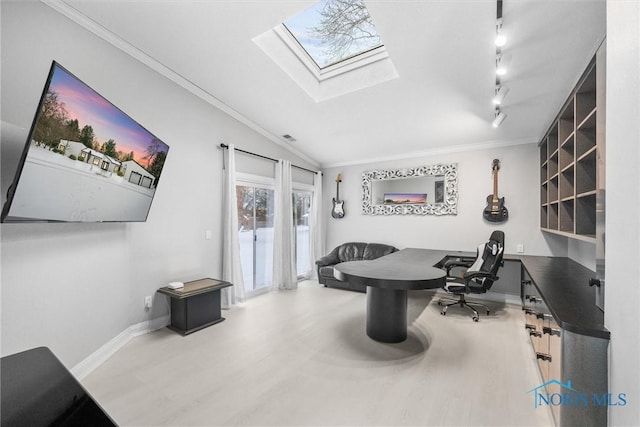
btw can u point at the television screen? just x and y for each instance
(84, 160)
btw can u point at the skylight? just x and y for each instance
(331, 49)
(332, 31)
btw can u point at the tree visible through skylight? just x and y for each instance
(334, 30)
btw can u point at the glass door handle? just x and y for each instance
(594, 281)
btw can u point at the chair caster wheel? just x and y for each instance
(475, 319)
(439, 303)
(443, 313)
(487, 312)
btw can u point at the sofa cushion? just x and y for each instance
(351, 251)
(376, 250)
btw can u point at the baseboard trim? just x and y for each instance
(98, 357)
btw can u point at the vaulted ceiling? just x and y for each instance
(442, 50)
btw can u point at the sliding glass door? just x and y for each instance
(301, 219)
(255, 198)
(255, 222)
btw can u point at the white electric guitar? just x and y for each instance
(338, 205)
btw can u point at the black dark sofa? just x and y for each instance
(351, 251)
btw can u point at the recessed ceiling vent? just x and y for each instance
(289, 138)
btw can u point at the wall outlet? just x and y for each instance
(148, 303)
(520, 248)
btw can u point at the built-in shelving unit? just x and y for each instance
(568, 163)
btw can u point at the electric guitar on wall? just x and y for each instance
(495, 211)
(338, 205)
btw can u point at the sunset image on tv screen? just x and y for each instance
(87, 161)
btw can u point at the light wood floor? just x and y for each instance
(302, 358)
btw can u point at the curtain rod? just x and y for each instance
(223, 145)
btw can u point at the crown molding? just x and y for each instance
(87, 23)
(436, 151)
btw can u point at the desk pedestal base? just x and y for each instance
(386, 314)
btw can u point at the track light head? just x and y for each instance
(501, 39)
(500, 116)
(501, 92)
(502, 64)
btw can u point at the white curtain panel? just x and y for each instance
(284, 267)
(231, 267)
(317, 235)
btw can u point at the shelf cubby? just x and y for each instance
(565, 216)
(544, 220)
(553, 189)
(552, 165)
(552, 141)
(586, 215)
(566, 183)
(567, 153)
(566, 122)
(586, 135)
(544, 194)
(585, 99)
(543, 153)
(586, 173)
(553, 216)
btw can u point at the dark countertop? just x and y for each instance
(564, 287)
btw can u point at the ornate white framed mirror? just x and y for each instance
(423, 190)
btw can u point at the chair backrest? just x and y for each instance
(489, 258)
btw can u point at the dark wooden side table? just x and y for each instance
(196, 305)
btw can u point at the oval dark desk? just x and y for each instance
(388, 279)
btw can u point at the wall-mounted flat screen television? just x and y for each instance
(84, 160)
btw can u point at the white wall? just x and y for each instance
(74, 287)
(622, 291)
(518, 184)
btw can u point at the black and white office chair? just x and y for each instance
(477, 277)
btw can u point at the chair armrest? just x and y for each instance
(448, 265)
(478, 274)
(330, 259)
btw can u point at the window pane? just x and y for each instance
(264, 237)
(301, 215)
(244, 197)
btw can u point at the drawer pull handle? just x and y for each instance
(526, 282)
(543, 356)
(594, 281)
(543, 316)
(536, 334)
(551, 331)
(530, 327)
